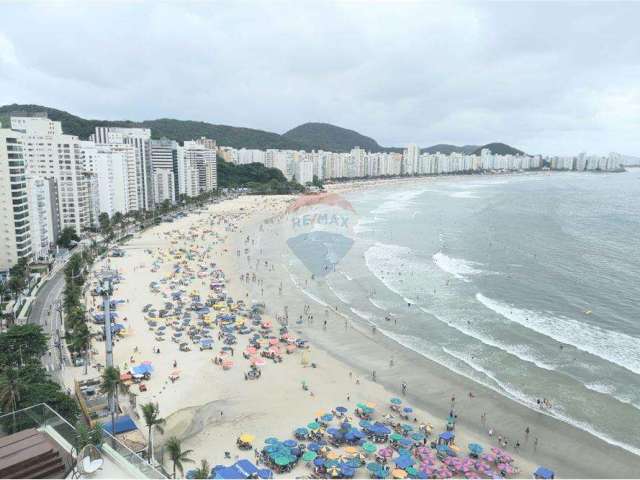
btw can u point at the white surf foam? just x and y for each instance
(466, 194)
(384, 261)
(340, 297)
(397, 202)
(361, 314)
(522, 352)
(458, 267)
(345, 275)
(376, 304)
(614, 347)
(413, 344)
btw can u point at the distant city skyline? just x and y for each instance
(548, 78)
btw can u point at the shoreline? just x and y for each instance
(208, 408)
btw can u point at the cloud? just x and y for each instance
(545, 77)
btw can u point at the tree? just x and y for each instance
(151, 414)
(103, 221)
(11, 389)
(109, 386)
(68, 237)
(177, 455)
(204, 471)
(22, 344)
(88, 435)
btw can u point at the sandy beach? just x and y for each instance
(208, 407)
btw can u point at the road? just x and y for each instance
(44, 313)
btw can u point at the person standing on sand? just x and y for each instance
(535, 444)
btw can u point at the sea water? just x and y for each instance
(527, 284)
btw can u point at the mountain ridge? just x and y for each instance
(307, 136)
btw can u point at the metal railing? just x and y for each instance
(43, 418)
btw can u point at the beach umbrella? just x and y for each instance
(406, 427)
(395, 401)
(412, 471)
(407, 409)
(475, 449)
(332, 462)
(332, 455)
(313, 426)
(347, 471)
(341, 409)
(351, 450)
(385, 452)
(365, 423)
(361, 406)
(301, 432)
(369, 447)
(373, 467)
(265, 474)
(271, 440)
(333, 431)
(326, 417)
(418, 437)
(405, 442)
(404, 461)
(395, 437)
(354, 462)
(247, 438)
(309, 456)
(290, 443)
(313, 446)
(398, 473)
(444, 473)
(281, 460)
(318, 462)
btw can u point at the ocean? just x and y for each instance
(527, 284)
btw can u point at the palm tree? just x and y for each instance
(177, 455)
(204, 471)
(11, 389)
(109, 386)
(151, 414)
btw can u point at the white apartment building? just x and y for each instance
(113, 167)
(304, 172)
(198, 162)
(410, 159)
(44, 217)
(163, 185)
(139, 139)
(15, 232)
(51, 154)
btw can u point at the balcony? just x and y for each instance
(44, 441)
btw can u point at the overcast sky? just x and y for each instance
(552, 78)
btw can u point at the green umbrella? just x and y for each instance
(411, 471)
(313, 426)
(395, 437)
(369, 447)
(282, 460)
(361, 405)
(396, 401)
(309, 456)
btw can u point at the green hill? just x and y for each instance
(499, 149)
(324, 136)
(448, 149)
(180, 130)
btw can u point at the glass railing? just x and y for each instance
(45, 419)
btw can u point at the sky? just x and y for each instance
(552, 78)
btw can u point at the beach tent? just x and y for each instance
(445, 438)
(228, 473)
(543, 473)
(123, 424)
(247, 467)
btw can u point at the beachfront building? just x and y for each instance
(113, 183)
(15, 232)
(410, 160)
(51, 154)
(138, 138)
(164, 164)
(44, 217)
(197, 169)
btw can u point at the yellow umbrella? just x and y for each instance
(319, 413)
(399, 473)
(370, 405)
(351, 450)
(247, 438)
(332, 456)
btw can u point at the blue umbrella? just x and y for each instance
(396, 401)
(365, 423)
(271, 440)
(404, 461)
(353, 462)
(327, 417)
(332, 463)
(290, 443)
(341, 409)
(373, 467)
(418, 437)
(318, 462)
(407, 409)
(405, 442)
(313, 447)
(475, 449)
(347, 471)
(333, 431)
(302, 431)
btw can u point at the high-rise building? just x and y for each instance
(410, 159)
(203, 161)
(50, 154)
(139, 139)
(43, 215)
(15, 232)
(164, 156)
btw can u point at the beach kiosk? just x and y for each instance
(544, 473)
(446, 438)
